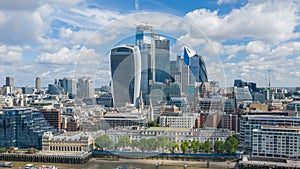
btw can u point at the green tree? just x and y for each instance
(184, 146)
(231, 144)
(104, 142)
(151, 123)
(96, 127)
(3, 150)
(201, 147)
(207, 146)
(219, 147)
(123, 142)
(195, 146)
(134, 144)
(152, 144)
(173, 145)
(143, 144)
(162, 142)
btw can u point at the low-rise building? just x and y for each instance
(111, 120)
(172, 133)
(67, 143)
(185, 121)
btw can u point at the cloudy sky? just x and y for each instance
(68, 38)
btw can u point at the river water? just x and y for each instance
(143, 164)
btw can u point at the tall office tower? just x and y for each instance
(86, 87)
(10, 84)
(175, 67)
(38, 84)
(161, 69)
(125, 65)
(144, 41)
(197, 66)
(70, 86)
(185, 78)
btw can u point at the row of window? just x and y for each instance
(65, 148)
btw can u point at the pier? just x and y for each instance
(44, 158)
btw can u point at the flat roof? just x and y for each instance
(281, 127)
(168, 129)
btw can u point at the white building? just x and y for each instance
(171, 133)
(184, 121)
(85, 87)
(67, 143)
(278, 142)
(250, 122)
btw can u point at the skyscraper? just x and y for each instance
(155, 57)
(162, 60)
(70, 87)
(10, 84)
(125, 64)
(85, 87)
(145, 43)
(38, 84)
(197, 66)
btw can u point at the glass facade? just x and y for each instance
(144, 42)
(125, 72)
(22, 128)
(162, 60)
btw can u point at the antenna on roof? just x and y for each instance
(269, 80)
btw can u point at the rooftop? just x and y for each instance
(168, 129)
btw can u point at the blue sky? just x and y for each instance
(69, 38)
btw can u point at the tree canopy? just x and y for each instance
(104, 142)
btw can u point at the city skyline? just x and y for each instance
(249, 37)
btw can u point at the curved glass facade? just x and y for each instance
(125, 64)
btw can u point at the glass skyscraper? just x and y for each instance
(198, 72)
(125, 65)
(144, 41)
(162, 60)
(155, 56)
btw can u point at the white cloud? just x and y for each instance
(10, 54)
(21, 27)
(257, 47)
(212, 48)
(296, 74)
(62, 56)
(265, 20)
(69, 56)
(45, 74)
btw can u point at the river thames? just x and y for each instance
(130, 164)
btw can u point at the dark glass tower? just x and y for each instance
(125, 64)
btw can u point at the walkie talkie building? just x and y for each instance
(125, 65)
